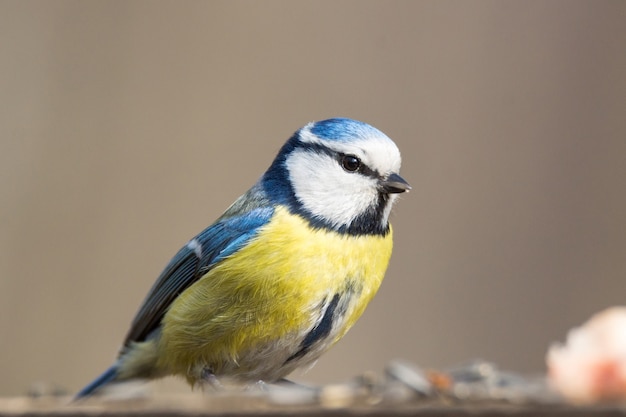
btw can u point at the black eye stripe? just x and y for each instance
(316, 147)
(369, 172)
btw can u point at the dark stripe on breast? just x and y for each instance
(319, 332)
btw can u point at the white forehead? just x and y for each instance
(370, 145)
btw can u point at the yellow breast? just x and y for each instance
(248, 314)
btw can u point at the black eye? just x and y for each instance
(350, 163)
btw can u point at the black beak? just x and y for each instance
(395, 184)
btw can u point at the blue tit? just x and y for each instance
(282, 275)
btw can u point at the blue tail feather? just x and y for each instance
(107, 376)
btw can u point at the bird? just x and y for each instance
(281, 275)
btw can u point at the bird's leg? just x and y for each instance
(208, 379)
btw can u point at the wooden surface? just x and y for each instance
(337, 402)
(171, 407)
(478, 388)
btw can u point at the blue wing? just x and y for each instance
(227, 235)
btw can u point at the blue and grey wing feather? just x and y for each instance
(223, 238)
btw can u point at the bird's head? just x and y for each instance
(340, 174)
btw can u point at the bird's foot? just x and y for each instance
(209, 380)
(281, 383)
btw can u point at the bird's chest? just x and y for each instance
(313, 280)
(283, 299)
(293, 268)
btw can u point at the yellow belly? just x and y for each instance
(247, 315)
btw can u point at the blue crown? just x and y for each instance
(343, 130)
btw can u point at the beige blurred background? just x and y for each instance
(127, 127)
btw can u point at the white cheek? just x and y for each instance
(327, 191)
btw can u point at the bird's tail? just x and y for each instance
(107, 376)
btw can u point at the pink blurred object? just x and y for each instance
(591, 365)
